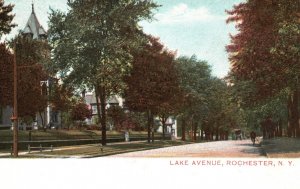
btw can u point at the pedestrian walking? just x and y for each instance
(253, 137)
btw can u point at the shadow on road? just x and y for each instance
(282, 146)
(249, 148)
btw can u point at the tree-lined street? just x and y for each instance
(97, 69)
(219, 149)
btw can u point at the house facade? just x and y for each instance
(90, 100)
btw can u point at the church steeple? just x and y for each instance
(32, 4)
(33, 28)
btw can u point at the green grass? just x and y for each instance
(94, 150)
(6, 135)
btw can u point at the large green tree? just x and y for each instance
(92, 42)
(194, 77)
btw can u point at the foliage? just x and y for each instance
(80, 112)
(6, 73)
(152, 81)
(152, 86)
(30, 57)
(61, 98)
(91, 45)
(6, 18)
(265, 53)
(116, 114)
(194, 78)
(125, 120)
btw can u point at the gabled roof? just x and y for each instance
(33, 26)
(91, 99)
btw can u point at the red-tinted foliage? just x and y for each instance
(6, 75)
(30, 73)
(61, 98)
(153, 82)
(250, 50)
(80, 112)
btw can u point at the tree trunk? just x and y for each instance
(149, 126)
(100, 93)
(103, 114)
(163, 130)
(280, 128)
(152, 138)
(195, 131)
(293, 114)
(207, 134)
(289, 107)
(296, 112)
(61, 120)
(163, 121)
(152, 127)
(183, 130)
(217, 134)
(202, 132)
(43, 124)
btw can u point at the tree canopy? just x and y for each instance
(265, 53)
(92, 43)
(6, 18)
(152, 85)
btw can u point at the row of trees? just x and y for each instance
(265, 62)
(100, 46)
(93, 45)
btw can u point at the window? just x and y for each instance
(94, 109)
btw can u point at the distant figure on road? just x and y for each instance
(253, 137)
(238, 134)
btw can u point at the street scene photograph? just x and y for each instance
(149, 94)
(150, 79)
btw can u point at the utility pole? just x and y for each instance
(15, 112)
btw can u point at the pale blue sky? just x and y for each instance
(188, 26)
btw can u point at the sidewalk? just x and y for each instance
(282, 147)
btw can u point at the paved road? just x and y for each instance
(240, 148)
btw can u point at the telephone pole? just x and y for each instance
(15, 112)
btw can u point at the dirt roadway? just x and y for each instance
(239, 148)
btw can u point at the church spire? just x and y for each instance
(33, 27)
(32, 4)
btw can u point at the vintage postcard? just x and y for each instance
(132, 93)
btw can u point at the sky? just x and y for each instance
(190, 27)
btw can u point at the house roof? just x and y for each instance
(34, 27)
(91, 99)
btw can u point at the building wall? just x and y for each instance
(7, 112)
(6, 115)
(169, 128)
